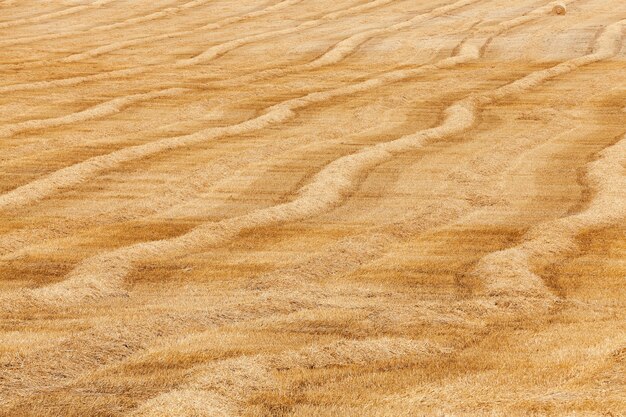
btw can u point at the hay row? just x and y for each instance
(98, 111)
(104, 28)
(218, 50)
(128, 72)
(103, 275)
(344, 48)
(510, 272)
(53, 15)
(220, 388)
(333, 56)
(155, 38)
(291, 290)
(278, 113)
(224, 47)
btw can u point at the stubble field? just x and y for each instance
(312, 208)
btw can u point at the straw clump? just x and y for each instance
(395, 212)
(559, 8)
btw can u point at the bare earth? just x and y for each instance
(312, 208)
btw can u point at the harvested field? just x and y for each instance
(312, 208)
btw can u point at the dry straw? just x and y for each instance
(53, 15)
(114, 46)
(103, 275)
(107, 108)
(510, 272)
(204, 57)
(279, 113)
(227, 384)
(559, 8)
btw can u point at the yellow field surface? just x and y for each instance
(312, 208)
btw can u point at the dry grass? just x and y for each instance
(272, 208)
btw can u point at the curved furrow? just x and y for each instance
(215, 51)
(107, 27)
(98, 111)
(295, 269)
(248, 304)
(67, 82)
(218, 389)
(346, 47)
(152, 38)
(53, 15)
(510, 272)
(208, 382)
(103, 275)
(155, 38)
(279, 113)
(337, 259)
(24, 11)
(214, 176)
(188, 188)
(15, 243)
(218, 50)
(349, 45)
(332, 56)
(350, 254)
